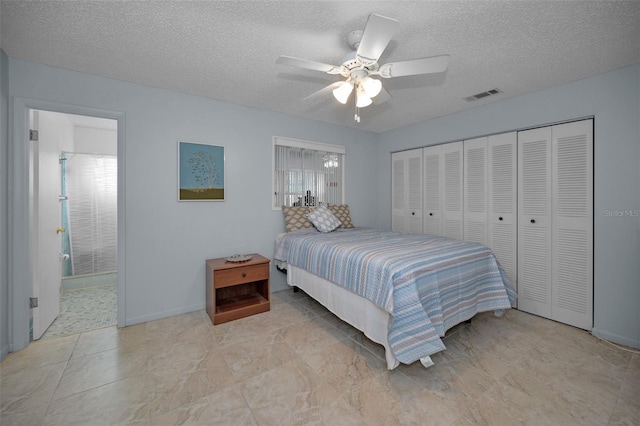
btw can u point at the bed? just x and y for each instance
(402, 291)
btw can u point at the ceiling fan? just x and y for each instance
(361, 64)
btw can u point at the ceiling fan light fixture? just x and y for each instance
(356, 66)
(371, 86)
(342, 92)
(362, 100)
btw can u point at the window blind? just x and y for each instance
(304, 176)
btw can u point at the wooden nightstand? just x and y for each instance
(237, 290)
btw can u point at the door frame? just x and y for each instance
(20, 205)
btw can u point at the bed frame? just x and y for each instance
(355, 310)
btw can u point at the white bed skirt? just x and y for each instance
(361, 313)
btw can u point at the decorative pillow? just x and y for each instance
(296, 217)
(323, 219)
(341, 211)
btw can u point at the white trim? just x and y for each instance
(622, 340)
(166, 313)
(317, 146)
(19, 204)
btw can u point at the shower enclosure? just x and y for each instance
(89, 214)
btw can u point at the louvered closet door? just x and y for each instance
(534, 215)
(398, 218)
(432, 192)
(501, 200)
(572, 228)
(452, 185)
(475, 190)
(414, 191)
(407, 191)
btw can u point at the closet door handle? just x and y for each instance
(500, 218)
(413, 213)
(430, 214)
(533, 221)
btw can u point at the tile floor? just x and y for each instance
(298, 364)
(84, 309)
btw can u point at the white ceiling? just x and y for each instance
(227, 50)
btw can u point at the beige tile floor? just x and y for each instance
(298, 364)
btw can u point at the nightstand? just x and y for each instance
(237, 289)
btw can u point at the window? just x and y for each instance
(307, 173)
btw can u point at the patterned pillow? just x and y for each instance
(323, 219)
(341, 211)
(296, 217)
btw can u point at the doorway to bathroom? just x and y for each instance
(80, 292)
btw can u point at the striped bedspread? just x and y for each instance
(427, 283)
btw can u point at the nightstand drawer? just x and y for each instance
(234, 276)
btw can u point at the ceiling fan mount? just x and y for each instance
(353, 39)
(361, 64)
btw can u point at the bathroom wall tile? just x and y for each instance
(72, 283)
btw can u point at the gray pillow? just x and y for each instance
(323, 219)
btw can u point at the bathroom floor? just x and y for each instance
(84, 309)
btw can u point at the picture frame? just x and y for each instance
(201, 172)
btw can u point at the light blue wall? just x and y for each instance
(4, 195)
(168, 241)
(613, 99)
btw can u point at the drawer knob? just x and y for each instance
(244, 275)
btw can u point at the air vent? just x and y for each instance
(483, 95)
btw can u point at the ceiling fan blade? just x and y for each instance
(324, 91)
(381, 97)
(310, 65)
(375, 38)
(433, 64)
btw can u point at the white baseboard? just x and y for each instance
(621, 340)
(4, 351)
(165, 314)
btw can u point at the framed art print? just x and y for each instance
(200, 172)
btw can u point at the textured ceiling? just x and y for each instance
(227, 50)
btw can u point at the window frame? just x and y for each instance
(316, 146)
